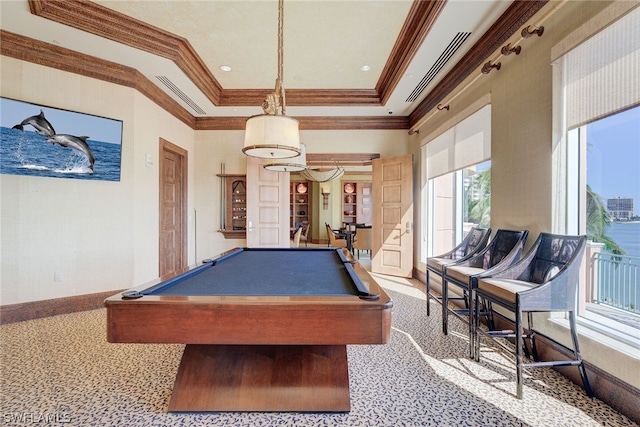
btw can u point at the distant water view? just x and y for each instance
(627, 235)
(618, 280)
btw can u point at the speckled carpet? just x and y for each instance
(61, 371)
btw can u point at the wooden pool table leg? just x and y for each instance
(306, 378)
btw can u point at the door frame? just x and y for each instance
(393, 216)
(166, 146)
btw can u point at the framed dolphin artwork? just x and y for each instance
(37, 140)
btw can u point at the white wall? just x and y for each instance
(103, 236)
(98, 235)
(213, 148)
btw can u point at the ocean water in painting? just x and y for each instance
(27, 153)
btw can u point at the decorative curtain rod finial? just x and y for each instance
(528, 32)
(486, 68)
(443, 107)
(508, 50)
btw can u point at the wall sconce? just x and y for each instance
(325, 197)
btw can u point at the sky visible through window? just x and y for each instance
(613, 156)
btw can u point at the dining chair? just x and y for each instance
(475, 240)
(544, 280)
(363, 240)
(305, 234)
(296, 238)
(334, 241)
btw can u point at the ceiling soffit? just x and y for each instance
(101, 21)
(90, 17)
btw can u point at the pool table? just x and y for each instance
(266, 328)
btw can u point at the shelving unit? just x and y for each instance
(234, 201)
(349, 202)
(356, 202)
(300, 204)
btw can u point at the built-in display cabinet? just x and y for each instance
(234, 206)
(356, 202)
(300, 204)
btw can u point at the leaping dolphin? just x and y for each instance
(78, 143)
(42, 125)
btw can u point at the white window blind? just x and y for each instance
(466, 143)
(602, 74)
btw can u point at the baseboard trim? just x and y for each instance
(616, 393)
(52, 307)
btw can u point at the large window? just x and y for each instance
(610, 183)
(458, 179)
(460, 200)
(600, 116)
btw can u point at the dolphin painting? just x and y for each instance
(78, 143)
(42, 125)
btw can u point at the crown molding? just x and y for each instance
(104, 22)
(508, 24)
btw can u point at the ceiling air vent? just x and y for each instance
(180, 94)
(437, 66)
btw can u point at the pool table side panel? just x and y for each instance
(200, 324)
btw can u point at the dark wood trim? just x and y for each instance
(104, 22)
(312, 123)
(97, 19)
(353, 122)
(168, 147)
(421, 18)
(13, 313)
(50, 55)
(508, 24)
(234, 234)
(302, 97)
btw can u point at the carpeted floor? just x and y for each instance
(61, 371)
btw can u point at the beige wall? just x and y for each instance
(212, 148)
(521, 155)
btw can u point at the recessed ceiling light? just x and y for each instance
(225, 68)
(365, 68)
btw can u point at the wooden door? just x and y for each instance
(392, 241)
(267, 206)
(173, 208)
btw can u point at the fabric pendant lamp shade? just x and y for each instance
(294, 164)
(270, 136)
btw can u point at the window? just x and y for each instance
(612, 219)
(458, 179)
(600, 117)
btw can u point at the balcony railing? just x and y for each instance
(618, 281)
(611, 287)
